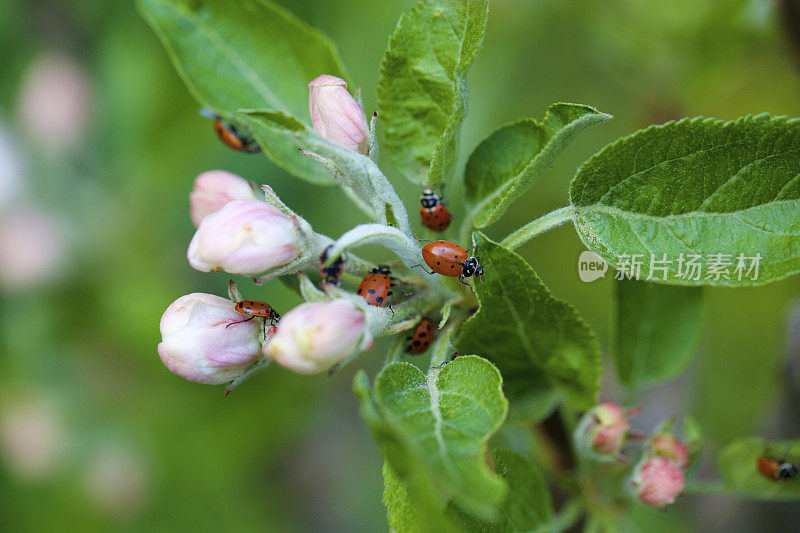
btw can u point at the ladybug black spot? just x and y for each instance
(423, 334)
(360, 291)
(371, 291)
(379, 299)
(416, 343)
(438, 263)
(452, 266)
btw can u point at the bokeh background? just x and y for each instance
(99, 144)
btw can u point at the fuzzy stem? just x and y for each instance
(538, 226)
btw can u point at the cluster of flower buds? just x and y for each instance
(206, 338)
(659, 476)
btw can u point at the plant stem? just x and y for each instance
(570, 514)
(535, 227)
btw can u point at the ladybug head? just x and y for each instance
(428, 199)
(472, 267)
(381, 269)
(788, 471)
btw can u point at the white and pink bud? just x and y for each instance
(201, 343)
(668, 446)
(213, 190)
(658, 481)
(336, 115)
(313, 337)
(245, 237)
(605, 428)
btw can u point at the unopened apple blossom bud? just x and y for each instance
(667, 445)
(245, 237)
(605, 428)
(336, 115)
(313, 337)
(658, 481)
(215, 188)
(202, 341)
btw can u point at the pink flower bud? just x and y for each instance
(215, 188)
(244, 237)
(336, 115)
(667, 445)
(197, 344)
(659, 481)
(313, 337)
(606, 426)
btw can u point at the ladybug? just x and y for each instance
(376, 285)
(433, 212)
(254, 308)
(422, 337)
(229, 135)
(777, 469)
(331, 273)
(450, 259)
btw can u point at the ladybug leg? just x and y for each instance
(240, 321)
(461, 278)
(425, 269)
(391, 301)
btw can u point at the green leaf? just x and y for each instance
(657, 331)
(527, 505)
(507, 162)
(247, 54)
(739, 471)
(433, 428)
(422, 91)
(412, 513)
(695, 189)
(538, 342)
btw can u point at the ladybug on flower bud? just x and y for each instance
(332, 272)
(434, 213)
(255, 308)
(230, 135)
(376, 285)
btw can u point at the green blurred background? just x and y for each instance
(100, 139)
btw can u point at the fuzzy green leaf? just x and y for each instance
(739, 471)
(658, 329)
(695, 189)
(247, 54)
(422, 91)
(507, 162)
(538, 342)
(433, 428)
(527, 505)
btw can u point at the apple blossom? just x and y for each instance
(667, 445)
(605, 428)
(658, 481)
(198, 345)
(336, 115)
(215, 188)
(245, 237)
(314, 337)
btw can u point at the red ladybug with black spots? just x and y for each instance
(255, 308)
(422, 337)
(449, 259)
(230, 136)
(376, 287)
(434, 213)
